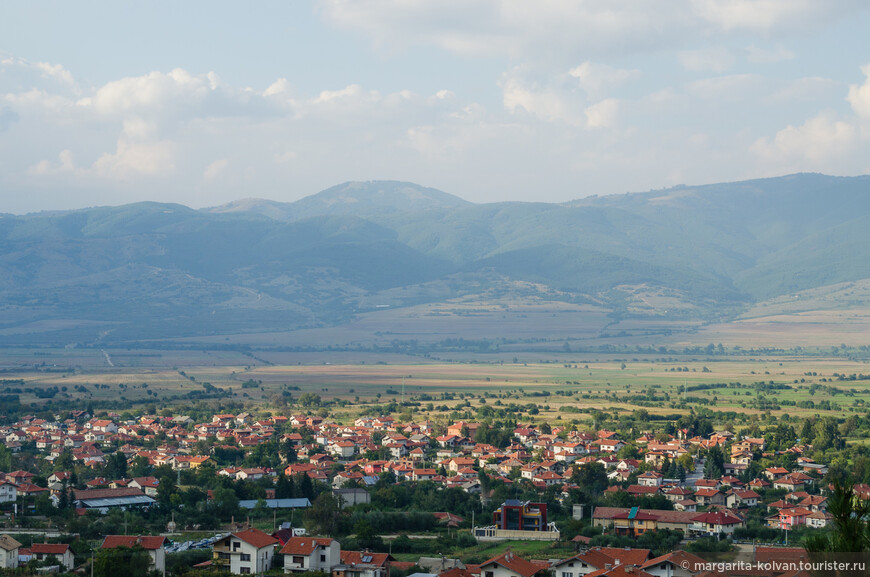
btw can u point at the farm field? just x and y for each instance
(569, 388)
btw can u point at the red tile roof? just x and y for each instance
(359, 558)
(255, 537)
(107, 493)
(148, 542)
(717, 518)
(303, 545)
(626, 556)
(512, 562)
(49, 548)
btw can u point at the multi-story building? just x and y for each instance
(516, 515)
(310, 554)
(245, 552)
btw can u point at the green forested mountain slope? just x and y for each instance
(258, 265)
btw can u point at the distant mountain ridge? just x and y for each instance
(363, 199)
(154, 270)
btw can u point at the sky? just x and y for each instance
(205, 102)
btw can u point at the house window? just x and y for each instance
(323, 558)
(236, 545)
(245, 557)
(489, 574)
(567, 574)
(298, 560)
(245, 570)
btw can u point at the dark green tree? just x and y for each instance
(121, 561)
(322, 518)
(851, 532)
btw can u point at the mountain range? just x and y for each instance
(145, 271)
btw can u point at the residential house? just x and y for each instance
(147, 485)
(423, 474)
(709, 497)
(675, 564)
(675, 494)
(650, 479)
(741, 498)
(634, 522)
(599, 559)
(610, 445)
(516, 515)
(774, 473)
(717, 523)
(8, 492)
(792, 482)
(792, 517)
(815, 503)
(245, 552)
(155, 546)
(509, 564)
(60, 551)
(310, 554)
(819, 519)
(8, 552)
(363, 564)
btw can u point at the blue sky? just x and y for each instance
(207, 102)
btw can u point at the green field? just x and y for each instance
(560, 388)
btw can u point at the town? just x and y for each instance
(264, 492)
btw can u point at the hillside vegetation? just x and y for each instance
(148, 270)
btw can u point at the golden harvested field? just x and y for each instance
(825, 328)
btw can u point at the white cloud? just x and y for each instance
(597, 79)
(349, 92)
(574, 98)
(550, 103)
(215, 169)
(21, 75)
(602, 114)
(59, 73)
(716, 60)
(768, 56)
(134, 159)
(813, 88)
(859, 96)
(723, 88)
(820, 143)
(280, 86)
(771, 15)
(552, 29)
(285, 157)
(152, 92)
(45, 167)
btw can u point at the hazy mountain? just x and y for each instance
(151, 270)
(362, 199)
